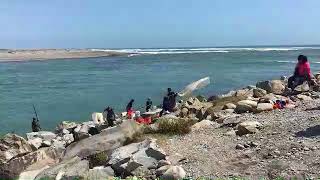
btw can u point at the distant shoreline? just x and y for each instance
(10, 55)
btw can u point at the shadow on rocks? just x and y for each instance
(309, 132)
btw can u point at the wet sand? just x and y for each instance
(47, 54)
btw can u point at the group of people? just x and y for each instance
(302, 73)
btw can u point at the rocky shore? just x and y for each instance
(45, 54)
(260, 132)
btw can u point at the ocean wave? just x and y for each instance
(286, 61)
(156, 51)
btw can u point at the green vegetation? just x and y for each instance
(98, 159)
(175, 126)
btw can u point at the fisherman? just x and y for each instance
(165, 105)
(110, 116)
(148, 104)
(35, 125)
(130, 109)
(301, 74)
(172, 99)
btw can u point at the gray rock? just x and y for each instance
(243, 108)
(99, 173)
(251, 103)
(240, 146)
(68, 125)
(44, 135)
(266, 85)
(304, 97)
(258, 92)
(229, 106)
(184, 112)
(126, 159)
(302, 88)
(35, 143)
(231, 121)
(277, 87)
(264, 107)
(39, 158)
(202, 125)
(12, 145)
(163, 163)
(174, 173)
(73, 168)
(248, 127)
(107, 140)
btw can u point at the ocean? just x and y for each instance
(71, 89)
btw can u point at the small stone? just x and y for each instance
(240, 147)
(254, 144)
(246, 145)
(277, 152)
(306, 149)
(314, 148)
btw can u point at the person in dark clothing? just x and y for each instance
(148, 104)
(130, 105)
(172, 99)
(165, 105)
(35, 125)
(111, 117)
(301, 74)
(129, 109)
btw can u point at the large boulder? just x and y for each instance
(246, 106)
(248, 127)
(68, 125)
(100, 173)
(127, 159)
(29, 162)
(258, 92)
(171, 172)
(264, 107)
(304, 87)
(12, 145)
(266, 85)
(73, 168)
(304, 97)
(229, 106)
(107, 140)
(203, 125)
(277, 87)
(44, 135)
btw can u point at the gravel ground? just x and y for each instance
(287, 146)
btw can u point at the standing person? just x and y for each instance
(130, 109)
(172, 99)
(110, 116)
(301, 74)
(148, 104)
(165, 105)
(35, 125)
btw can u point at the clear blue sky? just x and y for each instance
(157, 23)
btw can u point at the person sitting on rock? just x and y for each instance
(301, 74)
(130, 109)
(172, 99)
(35, 125)
(148, 104)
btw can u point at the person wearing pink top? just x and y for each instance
(301, 74)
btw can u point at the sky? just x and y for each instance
(157, 23)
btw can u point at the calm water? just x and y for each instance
(72, 89)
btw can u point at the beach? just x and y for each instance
(45, 54)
